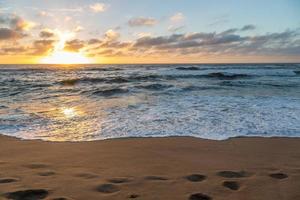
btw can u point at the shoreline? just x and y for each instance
(151, 168)
(149, 137)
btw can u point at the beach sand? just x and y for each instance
(151, 168)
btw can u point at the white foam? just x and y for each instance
(207, 117)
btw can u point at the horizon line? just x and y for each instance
(186, 63)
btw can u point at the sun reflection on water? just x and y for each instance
(72, 118)
(69, 112)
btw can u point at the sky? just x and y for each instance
(149, 31)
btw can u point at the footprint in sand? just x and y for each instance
(2, 162)
(199, 196)
(133, 196)
(233, 174)
(87, 175)
(232, 185)
(36, 166)
(107, 188)
(49, 173)
(8, 180)
(33, 194)
(278, 175)
(61, 198)
(119, 180)
(156, 178)
(196, 177)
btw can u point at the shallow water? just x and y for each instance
(79, 103)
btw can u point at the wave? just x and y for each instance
(227, 76)
(118, 79)
(255, 84)
(198, 88)
(24, 70)
(151, 77)
(155, 86)
(188, 68)
(110, 92)
(71, 82)
(104, 69)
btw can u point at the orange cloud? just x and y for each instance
(98, 7)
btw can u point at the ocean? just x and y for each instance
(95, 102)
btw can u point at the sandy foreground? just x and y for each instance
(152, 168)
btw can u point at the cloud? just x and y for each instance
(142, 21)
(46, 33)
(42, 47)
(15, 22)
(8, 34)
(199, 35)
(230, 42)
(248, 27)
(114, 44)
(143, 34)
(227, 42)
(188, 40)
(173, 28)
(74, 45)
(156, 41)
(111, 35)
(94, 41)
(234, 30)
(111, 53)
(19, 24)
(110, 40)
(229, 31)
(78, 29)
(178, 17)
(35, 48)
(98, 7)
(12, 50)
(13, 26)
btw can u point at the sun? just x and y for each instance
(64, 57)
(60, 56)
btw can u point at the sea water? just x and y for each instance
(95, 102)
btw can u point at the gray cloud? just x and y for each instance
(111, 53)
(227, 42)
(12, 50)
(41, 47)
(176, 28)
(74, 45)
(7, 34)
(142, 21)
(229, 31)
(114, 44)
(46, 34)
(157, 41)
(13, 26)
(36, 48)
(248, 27)
(14, 22)
(94, 41)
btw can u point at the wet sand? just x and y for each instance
(152, 168)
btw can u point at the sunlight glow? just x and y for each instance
(59, 56)
(64, 57)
